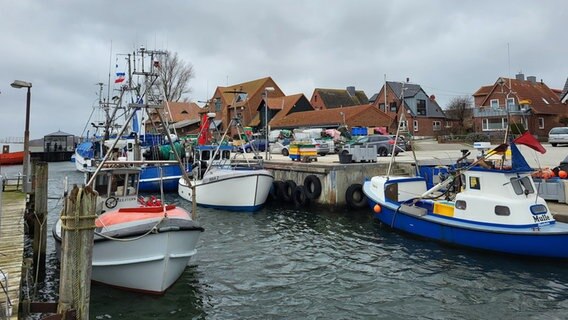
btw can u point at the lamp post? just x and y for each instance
(18, 84)
(266, 120)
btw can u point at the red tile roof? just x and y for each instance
(361, 116)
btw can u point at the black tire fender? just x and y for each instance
(355, 197)
(312, 186)
(299, 197)
(288, 190)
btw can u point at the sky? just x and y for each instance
(450, 48)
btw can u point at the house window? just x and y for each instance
(402, 125)
(494, 103)
(217, 104)
(541, 123)
(393, 106)
(382, 106)
(421, 107)
(436, 125)
(511, 104)
(493, 124)
(415, 125)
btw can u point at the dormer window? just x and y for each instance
(545, 101)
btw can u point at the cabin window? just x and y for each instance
(101, 184)
(474, 183)
(541, 123)
(205, 155)
(538, 209)
(421, 107)
(391, 192)
(460, 204)
(226, 154)
(117, 186)
(522, 185)
(502, 211)
(132, 184)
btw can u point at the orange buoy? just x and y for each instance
(377, 208)
(562, 174)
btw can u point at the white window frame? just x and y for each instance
(540, 122)
(415, 124)
(485, 125)
(403, 124)
(436, 125)
(511, 104)
(494, 103)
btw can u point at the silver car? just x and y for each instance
(558, 135)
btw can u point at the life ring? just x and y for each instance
(287, 190)
(355, 197)
(312, 186)
(300, 197)
(111, 202)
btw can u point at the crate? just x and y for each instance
(551, 189)
(302, 152)
(362, 153)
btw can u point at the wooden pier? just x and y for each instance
(11, 250)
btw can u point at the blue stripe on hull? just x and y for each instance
(537, 244)
(233, 208)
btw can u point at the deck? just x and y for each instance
(11, 249)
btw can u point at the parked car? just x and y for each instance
(384, 144)
(558, 135)
(402, 142)
(256, 144)
(280, 147)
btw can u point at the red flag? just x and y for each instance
(203, 131)
(529, 140)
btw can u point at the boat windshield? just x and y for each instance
(522, 185)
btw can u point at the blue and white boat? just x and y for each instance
(477, 207)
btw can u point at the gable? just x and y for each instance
(337, 98)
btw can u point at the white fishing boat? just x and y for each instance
(219, 182)
(139, 244)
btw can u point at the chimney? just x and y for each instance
(531, 79)
(351, 91)
(520, 76)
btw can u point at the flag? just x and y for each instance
(204, 131)
(529, 140)
(119, 77)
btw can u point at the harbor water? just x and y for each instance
(288, 263)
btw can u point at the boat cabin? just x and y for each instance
(210, 155)
(117, 187)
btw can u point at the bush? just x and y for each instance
(477, 137)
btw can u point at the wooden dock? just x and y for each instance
(11, 249)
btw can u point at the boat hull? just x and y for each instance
(235, 190)
(150, 178)
(545, 241)
(151, 252)
(11, 158)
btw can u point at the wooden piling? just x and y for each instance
(77, 225)
(40, 220)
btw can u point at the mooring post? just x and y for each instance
(77, 225)
(40, 219)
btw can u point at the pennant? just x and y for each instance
(203, 137)
(119, 77)
(530, 141)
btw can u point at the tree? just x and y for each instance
(460, 111)
(174, 77)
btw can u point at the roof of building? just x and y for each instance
(433, 109)
(182, 111)
(542, 99)
(337, 98)
(238, 93)
(59, 133)
(284, 104)
(364, 115)
(564, 94)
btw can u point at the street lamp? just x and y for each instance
(266, 120)
(18, 84)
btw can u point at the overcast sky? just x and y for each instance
(450, 48)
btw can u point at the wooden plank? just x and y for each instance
(12, 245)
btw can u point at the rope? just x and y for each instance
(151, 230)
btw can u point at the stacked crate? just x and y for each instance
(305, 152)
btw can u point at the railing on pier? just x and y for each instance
(13, 183)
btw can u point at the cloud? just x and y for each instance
(451, 48)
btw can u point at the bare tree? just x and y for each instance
(174, 77)
(460, 111)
